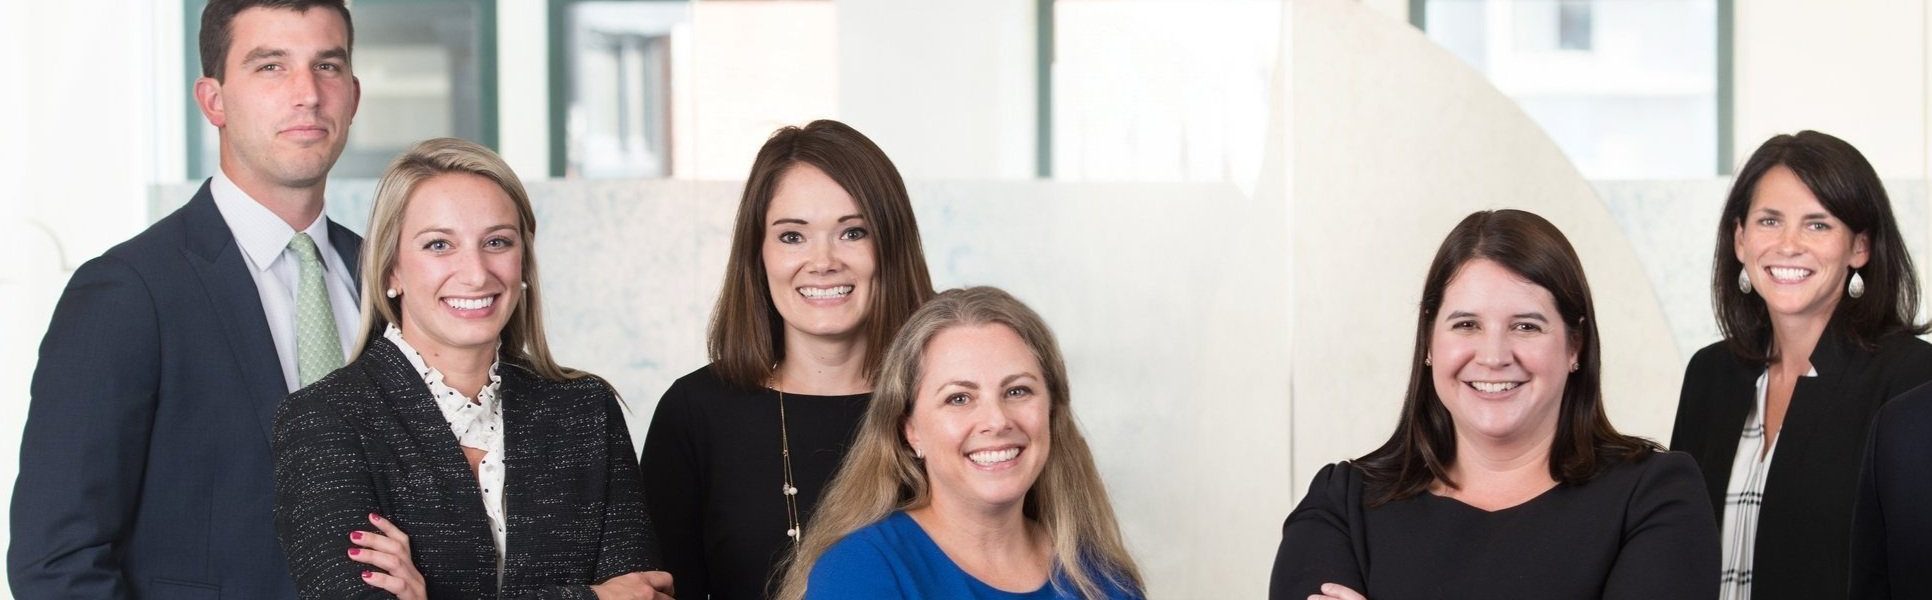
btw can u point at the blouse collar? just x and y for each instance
(468, 419)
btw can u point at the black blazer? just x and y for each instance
(369, 438)
(144, 467)
(1891, 553)
(1804, 523)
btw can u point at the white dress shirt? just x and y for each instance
(264, 238)
(477, 423)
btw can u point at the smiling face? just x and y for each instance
(980, 417)
(1796, 253)
(459, 265)
(1500, 355)
(819, 256)
(286, 99)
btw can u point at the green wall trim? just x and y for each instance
(1043, 84)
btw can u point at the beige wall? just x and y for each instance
(946, 86)
(1857, 69)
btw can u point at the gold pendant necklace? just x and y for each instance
(790, 490)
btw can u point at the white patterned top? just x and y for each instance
(477, 423)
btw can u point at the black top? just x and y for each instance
(712, 462)
(369, 438)
(1804, 523)
(1891, 552)
(1640, 530)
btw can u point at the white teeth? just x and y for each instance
(991, 457)
(830, 292)
(1492, 387)
(469, 303)
(1789, 273)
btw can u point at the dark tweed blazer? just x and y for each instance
(369, 438)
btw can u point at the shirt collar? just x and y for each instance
(261, 234)
(434, 378)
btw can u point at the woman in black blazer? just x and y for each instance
(1817, 300)
(453, 458)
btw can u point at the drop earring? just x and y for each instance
(1744, 280)
(1857, 286)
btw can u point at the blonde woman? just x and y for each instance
(968, 477)
(454, 458)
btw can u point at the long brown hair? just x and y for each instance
(523, 337)
(1423, 446)
(746, 338)
(1850, 190)
(881, 475)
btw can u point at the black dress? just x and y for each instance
(1640, 530)
(712, 464)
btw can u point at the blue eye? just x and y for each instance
(1019, 391)
(499, 242)
(437, 245)
(958, 400)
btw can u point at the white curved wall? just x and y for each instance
(1396, 141)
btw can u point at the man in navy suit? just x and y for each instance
(1891, 553)
(145, 468)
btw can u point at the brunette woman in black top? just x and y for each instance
(825, 264)
(1504, 478)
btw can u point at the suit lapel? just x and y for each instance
(223, 272)
(514, 396)
(409, 397)
(1813, 398)
(1736, 396)
(348, 245)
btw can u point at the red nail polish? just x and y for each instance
(375, 517)
(355, 551)
(355, 535)
(365, 574)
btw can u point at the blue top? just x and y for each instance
(894, 558)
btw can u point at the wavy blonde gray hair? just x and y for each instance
(523, 337)
(880, 474)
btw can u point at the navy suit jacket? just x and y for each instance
(1891, 553)
(145, 468)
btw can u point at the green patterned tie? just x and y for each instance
(318, 348)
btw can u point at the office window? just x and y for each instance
(1161, 90)
(615, 99)
(1628, 88)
